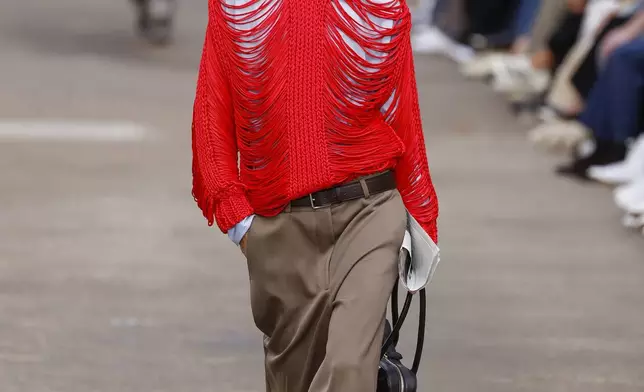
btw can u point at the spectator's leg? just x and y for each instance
(586, 75)
(595, 116)
(611, 112)
(612, 109)
(525, 17)
(626, 82)
(563, 97)
(563, 40)
(549, 17)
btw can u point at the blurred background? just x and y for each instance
(110, 280)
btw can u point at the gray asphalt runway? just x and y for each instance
(110, 280)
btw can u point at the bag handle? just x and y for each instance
(399, 319)
(420, 340)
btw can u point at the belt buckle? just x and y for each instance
(312, 200)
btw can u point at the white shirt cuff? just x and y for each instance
(240, 229)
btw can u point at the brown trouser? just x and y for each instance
(320, 281)
(550, 15)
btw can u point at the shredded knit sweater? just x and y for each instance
(297, 96)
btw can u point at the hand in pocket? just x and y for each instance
(242, 243)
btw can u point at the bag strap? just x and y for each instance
(399, 318)
(397, 325)
(420, 340)
(394, 310)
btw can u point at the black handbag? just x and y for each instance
(393, 375)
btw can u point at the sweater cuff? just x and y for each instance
(231, 210)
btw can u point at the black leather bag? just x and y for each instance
(393, 375)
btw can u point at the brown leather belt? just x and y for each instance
(358, 189)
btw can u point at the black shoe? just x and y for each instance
(605, 153)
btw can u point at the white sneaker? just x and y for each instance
(546, 114)
(631, 221)
(539, 80)
(636, 204)
(630, 194)
(480, 66)
(420, 28)
(559, 135)
(515, 75)
(613, 174)
(461, 54)
(622, 172)
(431, 40)
(637, 207)
(428, 41)
(509, 75)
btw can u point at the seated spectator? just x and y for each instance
(586, 75)
(493, 23)
(593, 50)
(565, 46)
(514, 72)
(612, 113)
(563, 99)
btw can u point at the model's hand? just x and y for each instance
(614, 40)
(576, 6)
(242, 244)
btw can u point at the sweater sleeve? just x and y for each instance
(217, 189)
(412, 171)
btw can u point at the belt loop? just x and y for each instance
(288, 208)
(365, 188)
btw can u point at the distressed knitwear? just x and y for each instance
(298, 96)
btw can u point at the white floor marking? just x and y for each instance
(72, 130)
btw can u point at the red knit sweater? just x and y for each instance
(282, 87)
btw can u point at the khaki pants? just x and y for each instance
(549, 17)
(320, 282)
